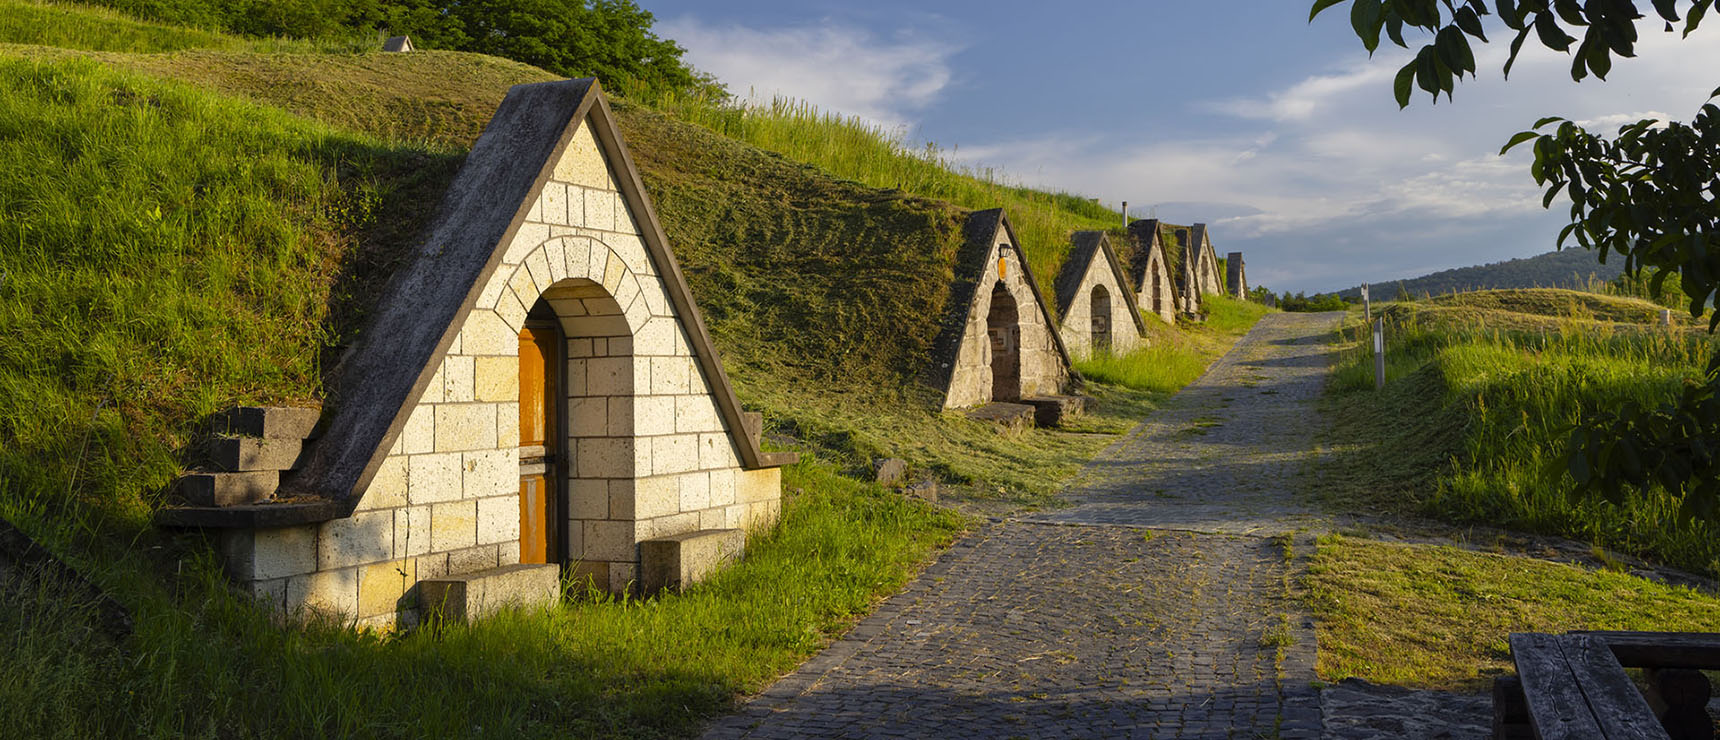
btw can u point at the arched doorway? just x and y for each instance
(1003, 326)
(1101, 316)
(1158, 293)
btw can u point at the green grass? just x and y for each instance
(76, 26)
(203, 663)
(1438, 617)
(1492, 408)
(1173, 358)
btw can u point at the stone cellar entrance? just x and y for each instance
(1003, 326)
(1101, 313)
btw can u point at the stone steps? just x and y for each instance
(251, 447)
(1050, 411)
(470, 596)
(1010, 415)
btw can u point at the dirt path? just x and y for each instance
(1155, 606)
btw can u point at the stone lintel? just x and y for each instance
(244, 454)
(228, 489)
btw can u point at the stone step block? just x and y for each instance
(1049, 411)
(241, 454)
(1007, 414)
(678, 561)
(270, 422)
(472, 596)
(228, 489)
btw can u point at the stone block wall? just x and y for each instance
(1043, 369)
(646, 452)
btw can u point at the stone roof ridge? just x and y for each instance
(1084, 244)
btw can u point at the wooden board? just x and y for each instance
(1557, 708)
(1614, 701)
(1663, 649)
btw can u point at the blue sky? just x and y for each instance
(1281, 134)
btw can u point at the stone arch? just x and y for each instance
(1100, 316)
(1003, 327)
(600, 305)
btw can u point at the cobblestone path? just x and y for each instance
(1154, 606)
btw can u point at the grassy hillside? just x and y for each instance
(1569, 268)
(1494, 380)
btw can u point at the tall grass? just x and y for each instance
(1507, 400)
(1172, 359)
(854, 148)
(73, 26)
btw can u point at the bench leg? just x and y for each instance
(1679, 697)
(1510, 710)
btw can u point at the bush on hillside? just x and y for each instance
(609, 39)
(1316, 302)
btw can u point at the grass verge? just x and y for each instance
(1173, 358)
(204, 663)
(1438, 617)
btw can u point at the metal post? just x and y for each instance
(1666, 317)
(1379, 353)
(1367, 307)
(1125, 215)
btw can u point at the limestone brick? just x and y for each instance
(365, 537)
(411, 531)
(472, 559)
(717, 451)
(454, 525)
(495, 379)
(525, 240)
(674, 454)
(696, 414)
(609, 376)
(656, 496)
(593, 573)
(538, 265)
(669, 376)
(668, 526)
(656, 302)
(621, 416)
(582, 163)
(555, 254)
(267, 554)
(457, 379)
(485, 333)
(433, 478)
(575, 540)
(626, 296)
(600, 210)
(578, 252)
(622, 575)
(553, 203)
(588, 498)
(642, 456)
(535, 213)
(419, 434)
(325, 593)
(695, 491)
(508, 553)
(432, 565)
(716, 518)
(604, 457)
(588, 416)
(490, 472)
(465, 426)
(621, 499)
(722, 484)
(597, 265)
(387, 488)
(654, 415)
(575, 377)
(433, 389)
(608, 540)
(614, 274)
(507, 423)
(381, 586)
(498, 520)
(271, 594)
(512, 307)
(764, 484)
(655, 339)
(620, 346)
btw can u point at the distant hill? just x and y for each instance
(1570, 268)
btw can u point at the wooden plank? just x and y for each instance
(1557, 708)
(1617, 705)
(1663, 649)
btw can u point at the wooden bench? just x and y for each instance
(1574, 686)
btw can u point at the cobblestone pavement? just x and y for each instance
(1152, 607)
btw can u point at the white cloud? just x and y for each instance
(835, 67)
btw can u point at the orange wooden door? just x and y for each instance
(539, 361)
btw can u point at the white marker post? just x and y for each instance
(1367, 307)
(1380, 353)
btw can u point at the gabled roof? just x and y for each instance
(1146, 234)
(1089, 245)
(980, 235)
(381, 379)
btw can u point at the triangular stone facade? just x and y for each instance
(1155, 291)
(999, 343)
(423, 470)
(1095, 301)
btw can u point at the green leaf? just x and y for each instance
(1467, 20)
(1516, 46)
(1365, 19)
(1547, 120)
(1668, 9)
(1598, 59)
(1403, 85)
(1320, 5)
(1696, 12)
(1551, 35)
(1454, 50)
(1427, 71)
(1519, 138)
